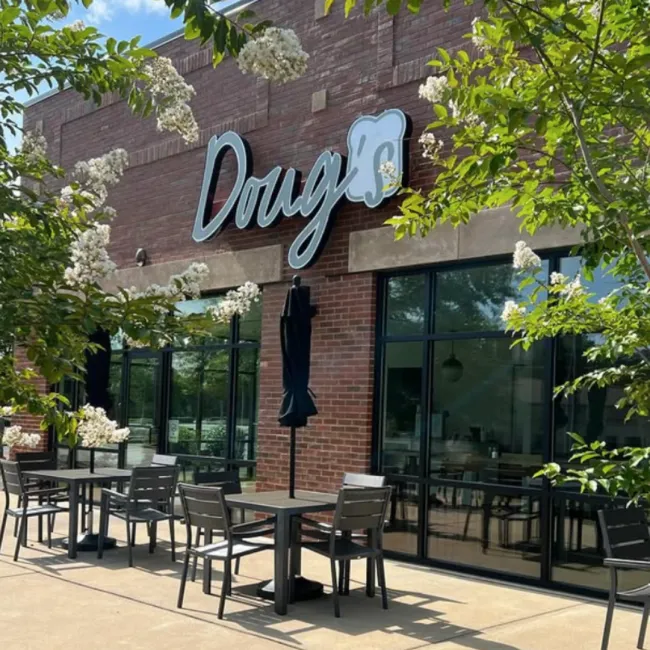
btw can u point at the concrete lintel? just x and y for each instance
(227, 270)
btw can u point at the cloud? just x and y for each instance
(102, 11)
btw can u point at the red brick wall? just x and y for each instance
(366, 65)
(29, 423)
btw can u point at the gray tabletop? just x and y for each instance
(278, 502)
(80, 475)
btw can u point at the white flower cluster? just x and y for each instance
(34, 146)
(388, 169)
(97, 430)
(434, 89)
(7, 411)
(16, 437)
(90, 260)
(524, 259)
(479, 41)
(170, 94)
(431, 146)
(573, 289)
(77, 26)
(98, 174)
(180, 287)
(276, 55)
(237, 302)
(558, 278)
(510, 310)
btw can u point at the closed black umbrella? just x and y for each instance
(295, 337)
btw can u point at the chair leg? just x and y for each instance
(49, 531)
(172, 537)
(341, 582)
(20, 536)
(3, 526)
(153, 531)
(381, 577)
(195, 561)
(133, 529)
(335, 591)
(224, 587)
(129, 541)
(181, 591)
(644, 624)
(237, 566)
(608, 620)
(17, 519)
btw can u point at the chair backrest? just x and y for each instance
(363, 480)
(153, 484)
(12, 479)
(164, 460)
(625, 533)
(229, 480)
(361, 508)
(205, 507)
(33, 461)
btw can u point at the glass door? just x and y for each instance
(143, 396)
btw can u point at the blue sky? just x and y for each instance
(124, 19)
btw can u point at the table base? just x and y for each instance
(304, 589)
(90, 542)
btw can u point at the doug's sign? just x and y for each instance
(372, 140)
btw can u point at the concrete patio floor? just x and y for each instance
(50, 602)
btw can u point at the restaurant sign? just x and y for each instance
(372, 140)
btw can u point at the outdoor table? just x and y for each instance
(76, 478)
(279, 504)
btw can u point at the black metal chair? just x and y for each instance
(150, 499)
(230, 482)
(356, 509)
(12, 482)
(352, 479)
(164, 460)
(205, 507)
(627, 546)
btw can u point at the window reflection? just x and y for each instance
(405, 304)
(472, 299)
(487, 527)
(402, 416)
(487, 424)
(401, 532)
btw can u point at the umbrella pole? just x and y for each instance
(292, 464)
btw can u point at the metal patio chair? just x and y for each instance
(627, 546)
(165, 460)
(230, 482)
(150, 499)
(356, 509)
(205, 507)
(12, 482)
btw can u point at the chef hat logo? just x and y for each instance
(373, 140)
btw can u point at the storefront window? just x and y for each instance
(405, 305)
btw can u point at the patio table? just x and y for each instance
(76, 478)
(279, 504)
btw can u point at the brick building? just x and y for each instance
(413, 374)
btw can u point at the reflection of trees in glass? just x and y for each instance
(473, 299)
(246, 405)
(405, 304)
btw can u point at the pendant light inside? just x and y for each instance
(452, 368)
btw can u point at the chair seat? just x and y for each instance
(35, 511)
(636, 593)
(139, 516)
(219, 550)
(344, 549)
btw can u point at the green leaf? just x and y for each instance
(393, 6)
(349, 6)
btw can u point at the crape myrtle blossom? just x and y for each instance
(573, 289)
(276, 55)
(388, 169)
(431, 146)
(96, 175)
(434, 89)
(34, 146)
(237, 302)
(15, 437)
(90, 260)
(95, 429)
(7, 411)
(76, 26)
(524, 259)
(558, 278)
(180, 287)
(511, 310)
(478, 39)
(170, 95)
